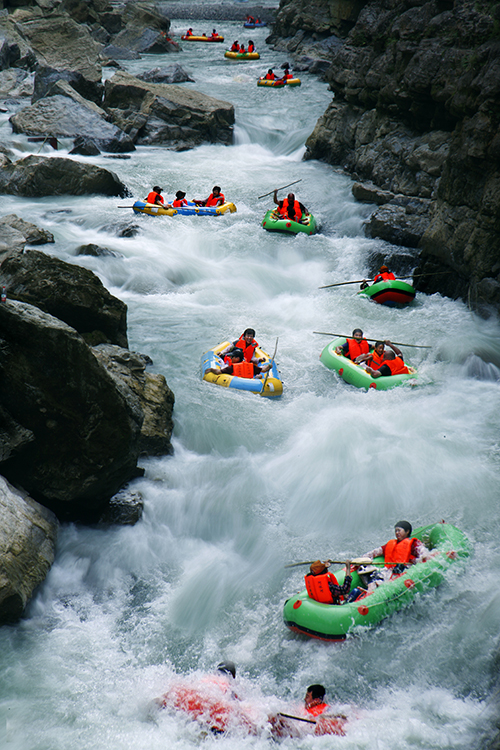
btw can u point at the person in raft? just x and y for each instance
(251, 46)
(391, 365)
(239, 366)
(383, 275)
(189, 32)
(214, 34)
(216, 198)
(180, 200)
(235, 47)
(355, 347)
(290, 208)
(375, 358)
(323, 587)
(247, 344)
(314, 707)
(402, 551)
(269, 76)
(155, 197)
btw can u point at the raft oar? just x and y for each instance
(297, 718)
(124, 206)
(356, 561)
(272, 362)
(280, 188)
(360, 281)
(398, 343)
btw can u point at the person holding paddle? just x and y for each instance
(290, 208)
(354, 347)
(322, 586)
(375, 358)
(402, 551)
(314, 706)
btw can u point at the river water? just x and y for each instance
(254, 484)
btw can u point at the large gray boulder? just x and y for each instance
(58, 42)
(15, 82)
(36, 176)
(63, 116)
(32, 234)
(170, 115)
(28, 534)
(128, 369)
(73, 294)
(86, 432)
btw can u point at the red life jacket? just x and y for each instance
(376, 361)
(288, 76)
(153, 196)
(251, 47)
(179, 202)
(243, 369)
(317, 710)
(317, 587)
(396, 366)
(384, 276)
(397, 552)
(296, 211)
(248, 349)
(269, 77)
(235, 47)
(355, 348)
(211, 201)
(242, 48)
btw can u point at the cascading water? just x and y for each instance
(253, 484)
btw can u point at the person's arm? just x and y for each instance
(363, 358)
(344, 349)
(394, 348)
(337, 591)
(275, 197)
(383, 370)
(378, 552)
(303, 209)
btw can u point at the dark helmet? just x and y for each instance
(157, 189)
(227, 667)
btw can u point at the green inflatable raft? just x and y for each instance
(392, 293)
(329, 622)
(357, 375)
(273, 223)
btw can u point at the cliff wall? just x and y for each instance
(416, 111)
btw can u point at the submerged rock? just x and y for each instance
(28, 534)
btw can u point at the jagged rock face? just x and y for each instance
(73, 294)
(155, 113)
(85, 431)
(332, 17)
(28, 534)
(417, 88)
(156, 398)
(36, 176)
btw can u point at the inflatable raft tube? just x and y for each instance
(392, 293)
(357, 375)
(241, 55)
(273, 223)
(272, 387)
(328, 622)
(141, 207)
(192, 38)
(276, 84)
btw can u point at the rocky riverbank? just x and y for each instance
(416, 115)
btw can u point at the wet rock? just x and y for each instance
(170, 74)
(403, 221)
(28, 534)
(370, 193)
(12, 241)
(86, 431)
(33, 235)
(36, 176)
(97, 251)
(155, 397)
(64, 116)
(71, 293)
(113, 52)
(155, 113)
(16, 82)
(124, 509)
(84, 147)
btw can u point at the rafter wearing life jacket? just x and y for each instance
(214, 200)
(153, 196)
(243, 369)
(248, 349)
(396, 366)
(317, 709)
(398, 552)
(384, 275)
(376, 361)
(178, 203)
(235, 47)
(318, 589)
(251, 47)
(269, 76)
(293, 212)
(355, 348)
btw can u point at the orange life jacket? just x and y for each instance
(248, 349)
(179, 202)
(251, 47)
(211, 201)
(288, 76)
(376, 360)
(317, 710)
(269, 77)
(317, 587)
(384, 276)
(397, 552)
(242, 48)
(243, 369)
(153, 196)
(356, 348)
(396, 366)
(297, 211)
(235, 47)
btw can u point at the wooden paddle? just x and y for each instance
(271, 363)
(397, 343)
(297, 718)
(276, 189)
(356, 561)
(360, 281)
